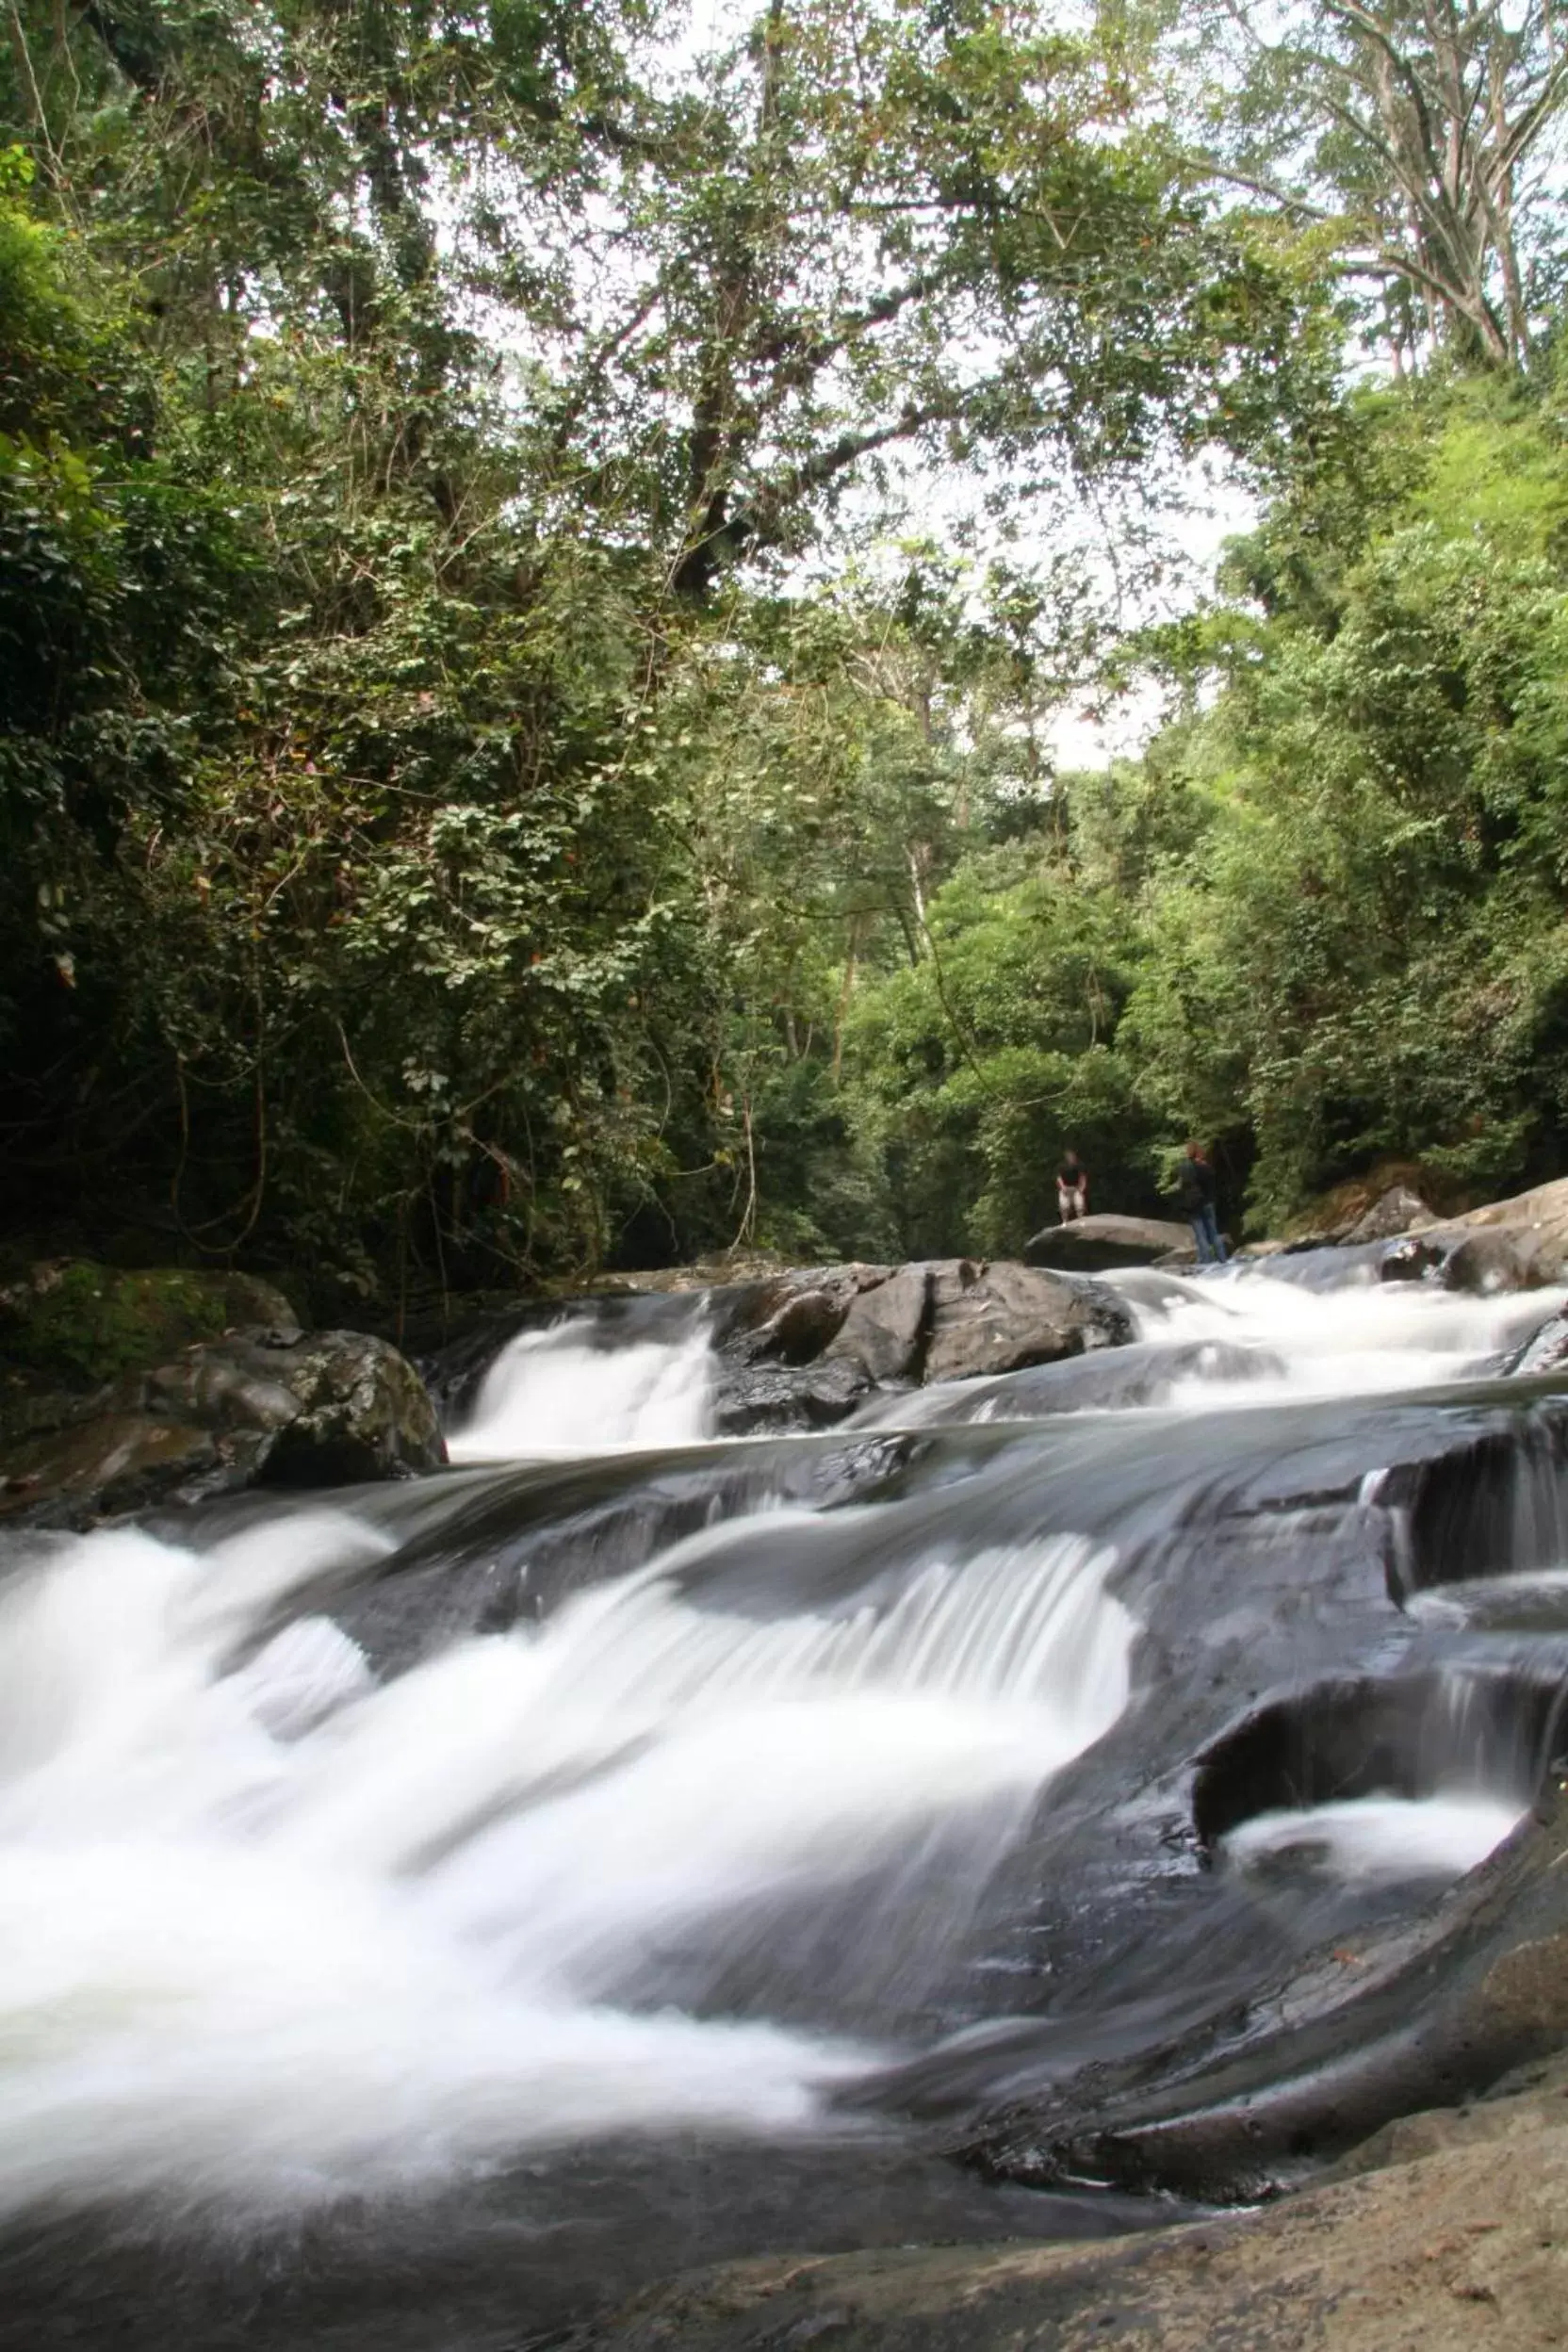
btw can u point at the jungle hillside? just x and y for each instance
(545, 548)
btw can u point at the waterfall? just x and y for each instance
(563, 1391)
(270, 1933)
(625, 1793)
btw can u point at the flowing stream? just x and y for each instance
(429, 1909)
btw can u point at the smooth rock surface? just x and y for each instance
(1518, 1244)
(1091, 1245)
(1495, 1258)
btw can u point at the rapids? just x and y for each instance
(449, 1903)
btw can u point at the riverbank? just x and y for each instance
(1445, 2233)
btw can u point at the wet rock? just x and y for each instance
(775, 1397)
(988, 1318)
(274, 1407)
(317, 1409)
(772, 1338)
(1545, 1350)
(1411, 1261)
(1397, 1211)
(114, 1461)
(1091, 1245)
(885, 1328)
(1432, 2010)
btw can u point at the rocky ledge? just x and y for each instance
(1516, 1244)
(801, 1348)
(804, 1349)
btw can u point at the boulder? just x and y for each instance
(884, 1331)
(806, 1323)
(275, 1407)
(803, 1349)
(306, 1409)
(1534, 1223)
(111, 1462)
(774, 1364)
(987, 1319)
(1397, 1211)
(1495, 1258)
(1091, 1245)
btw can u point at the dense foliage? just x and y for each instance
(477, 801)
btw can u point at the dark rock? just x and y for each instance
(869, 1328)
(779, 1396)
(1411, 1261)
(987, 1319)
(274, 1407)
(1397, 1211)
(248, 1300)
(884, 1330)
(771, 1365)
(112, 1462)
(805, 1324)
(318, 1409)
(1091, 1245)
(791, 1317)
(1494, 1258)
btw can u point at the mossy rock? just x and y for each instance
(83, 1324)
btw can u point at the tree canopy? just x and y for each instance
(499, 776)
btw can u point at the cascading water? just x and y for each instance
(814, 1795)
(556, 1392)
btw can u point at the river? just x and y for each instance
(428, 1911)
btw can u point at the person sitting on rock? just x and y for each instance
(1073, 1188)
(1195, 1182)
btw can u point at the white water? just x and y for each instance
(1364, 1338)
(554, 1394)
(551, 1392)
(269, 1933)
(1379, 1838)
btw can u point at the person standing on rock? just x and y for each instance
(1195, 1183)
(1073, 1188)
